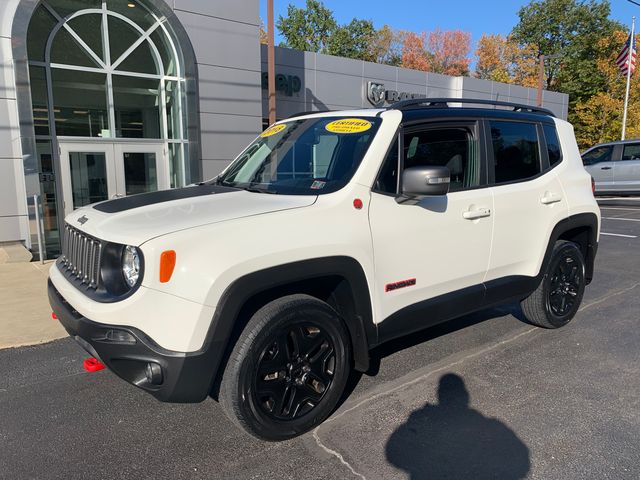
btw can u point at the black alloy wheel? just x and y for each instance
(557, 298)
(564, 286)
(288, 369)
(294, 371)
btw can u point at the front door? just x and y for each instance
(599, 163)
(626, 172)
(94, 172)
(439, 244)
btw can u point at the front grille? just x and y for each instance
(81, 256)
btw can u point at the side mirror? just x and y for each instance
(421, 181)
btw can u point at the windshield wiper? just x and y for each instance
(258, 190)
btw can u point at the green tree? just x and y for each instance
(570, 31)
(599, 118)
(309, 28)
(353, 40)
(386, 46)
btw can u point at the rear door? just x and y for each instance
(626, 172)
(599, 162)
(528, 200)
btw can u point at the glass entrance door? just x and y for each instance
(94, 172)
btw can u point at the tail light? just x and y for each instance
(593, 186)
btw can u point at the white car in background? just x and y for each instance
(615, 167)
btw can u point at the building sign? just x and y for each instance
(287, 84)
(377, 94)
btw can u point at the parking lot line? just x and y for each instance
(618, 218)
(618, 235)
(603, 207)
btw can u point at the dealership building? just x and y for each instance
(105, 98)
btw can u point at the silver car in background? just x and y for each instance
(615, 167)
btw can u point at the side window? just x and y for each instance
(597, 155)
(631, 152)
(452, 147)
(553, 145)
(516, 151)
(387, 181)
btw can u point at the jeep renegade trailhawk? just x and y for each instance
(330, 234)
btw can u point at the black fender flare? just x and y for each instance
(572, 222)
(359, 322)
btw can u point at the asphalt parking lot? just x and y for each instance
(485, 396)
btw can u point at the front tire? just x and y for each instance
(288, 369)
(557, 299)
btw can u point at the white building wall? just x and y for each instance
(13, 205)
(335, 83)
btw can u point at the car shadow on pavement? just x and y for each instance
(452, 440)
(445, 328)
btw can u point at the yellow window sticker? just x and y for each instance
(273, 129)
(348, 125)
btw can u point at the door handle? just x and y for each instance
(477, 213)
(605, 168)
(550, 198)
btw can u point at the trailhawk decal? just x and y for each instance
(348, 125)
(390, 287)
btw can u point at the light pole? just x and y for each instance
(271, 64)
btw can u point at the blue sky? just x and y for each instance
(475, 16)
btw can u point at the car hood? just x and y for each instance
(136, 219)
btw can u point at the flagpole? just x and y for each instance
(626, 95)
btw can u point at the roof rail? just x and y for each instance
(444, 102)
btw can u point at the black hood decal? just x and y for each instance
(144, 199)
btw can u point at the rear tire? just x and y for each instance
(557, 299)
(288, 369)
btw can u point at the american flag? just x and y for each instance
(623, 59)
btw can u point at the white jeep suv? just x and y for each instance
(330, 234)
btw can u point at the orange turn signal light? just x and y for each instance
(167, 264)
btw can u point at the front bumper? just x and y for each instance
(167, 375)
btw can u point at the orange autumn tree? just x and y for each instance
(449, 52)
(501, 59)
(414, 54)
(445, 52)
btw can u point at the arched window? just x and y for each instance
(104, 72)
(109, 69)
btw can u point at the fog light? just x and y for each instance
(153, 372)
(119, 336)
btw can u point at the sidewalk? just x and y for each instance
(25, 315)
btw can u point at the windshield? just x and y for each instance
(303, 157)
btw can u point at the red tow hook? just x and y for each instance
(54, 316)
(92, 364)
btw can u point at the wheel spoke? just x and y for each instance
(316, 386)
(273, 389)
(270, 367)
(563, 303)
(294, 400)
(318, 349)
(572, 274)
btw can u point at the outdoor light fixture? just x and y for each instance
(131, 5)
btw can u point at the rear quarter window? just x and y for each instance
(553, 145)
(516, 151)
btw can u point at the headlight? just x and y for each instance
(131, 265)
